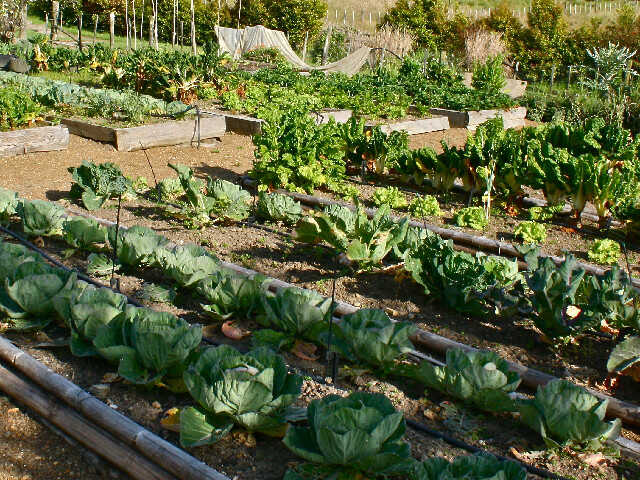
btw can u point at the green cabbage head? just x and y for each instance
(41, 218)
(481, 378)
(359, 433)
(469, 467)
(137, 245)
(567, 415)
(187, 264)
(253, 391)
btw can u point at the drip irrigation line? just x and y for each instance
(541, 472)
(61, 265)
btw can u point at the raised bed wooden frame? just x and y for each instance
(30, 140)
(512, 117)
(162, 134)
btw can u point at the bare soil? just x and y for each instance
(45, 176)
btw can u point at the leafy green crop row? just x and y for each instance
(153, 347)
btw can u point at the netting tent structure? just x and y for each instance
(237, 42)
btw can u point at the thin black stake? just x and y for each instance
(332, 358)
(155, 180)
(115, 284)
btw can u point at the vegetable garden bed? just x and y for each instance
(414, 126)
(30, 140)
(162, 134)
(512, 117)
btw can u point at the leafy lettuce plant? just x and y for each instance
(530, 232)
(229, 294)
(363, 241)
(41, 218)
(389, 196)
(137, 245)
(296, 313)
(567, 415)
(149, 347)
(361, 434)
(604, 251)
(541, 214)
(425, 206)
(84, 310)
(80, 232)
(186, 265)
(8, 204)
(370, 336)
(276, 207)
(472, 217)
(253, 391)
(481, 378)
(96, 184)
(476, 467)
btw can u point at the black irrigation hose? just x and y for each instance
(541, 472)
(61, 265)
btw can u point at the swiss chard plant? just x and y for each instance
(477, 467)
(567, 415)
(96, 184)
(149, 347)
(252, 390)
(41, 218)
(481, 378)
(370, 336)
(361, 434)
(362, 240)
(275, 207)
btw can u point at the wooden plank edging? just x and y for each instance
(32, 140)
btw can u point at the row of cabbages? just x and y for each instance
(255, 391)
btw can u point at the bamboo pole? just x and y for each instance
(80, 429)
(194, 47)
(135, 28)
(626, 411)
(173, 25)
(80, 31)
(95, 28)
(126, 22)
(159, 451)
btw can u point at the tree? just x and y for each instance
(11, 19)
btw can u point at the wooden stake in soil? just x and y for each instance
(194, 48)
(80, 429)
(95, 28)
(154, 448)
(55, 7)
(112, 29)
(80, 31)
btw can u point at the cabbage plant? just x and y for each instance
(370, 336)
(80, 232)
(8, 204)
(187, 264)
(84, 310)
(625, 358)
(96, 184)
(360, 434)
(276, 207)
(297, 313)
(567, 415)
(469, 467)
(137, 246)
(478, 377)
(253, 391)
(148, 345)
(229, 294)
(41, 218)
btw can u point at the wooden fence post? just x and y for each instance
(55, 8)
(80, 31)
(126, 22)
(23, 23)
(135, 28)
(181, 33)
(325, 49)
(112, 29)
(151, 23)
(194, 47)
(95, 28)
(304, 48)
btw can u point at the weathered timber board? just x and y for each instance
(30, 140)
(89, 130)
(168, 133)
(512, 117)
(340, 116)
(416, 127)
